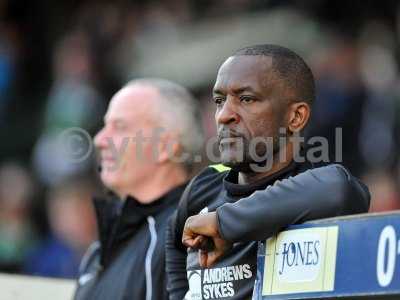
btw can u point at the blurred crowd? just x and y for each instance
(60, 61)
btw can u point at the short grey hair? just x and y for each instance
(180, 111)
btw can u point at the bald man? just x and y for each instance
(148, 125)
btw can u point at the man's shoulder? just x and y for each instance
(204, 187)
(329, 169)
(212, 173)
(210, 178)
(336, 177)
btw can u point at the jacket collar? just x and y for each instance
(118, 220)
(243, 190)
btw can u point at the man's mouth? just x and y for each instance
(107, 159)
(227, 137)
(229, 140)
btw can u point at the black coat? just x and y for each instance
(128, 261)
(250, 213)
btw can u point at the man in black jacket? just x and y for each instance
(267, 185)
(149, 122)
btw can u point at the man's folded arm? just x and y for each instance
(175, 251)
(317, 193)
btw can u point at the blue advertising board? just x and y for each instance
(343, 257)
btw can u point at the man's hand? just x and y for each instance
(201, 232)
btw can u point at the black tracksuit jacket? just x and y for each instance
(128, 261)
(250, 213)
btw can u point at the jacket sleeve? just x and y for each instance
(175, 251)
(317, 193)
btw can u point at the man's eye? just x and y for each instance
(219, 101)
(246, 99)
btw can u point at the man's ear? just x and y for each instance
(168, 147)
(299, 114)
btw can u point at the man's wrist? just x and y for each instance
(218, 225)
(213, 219)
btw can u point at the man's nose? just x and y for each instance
(227, 113)
(100, 140)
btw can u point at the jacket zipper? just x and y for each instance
(149, 256)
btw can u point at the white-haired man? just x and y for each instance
(149, 125)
